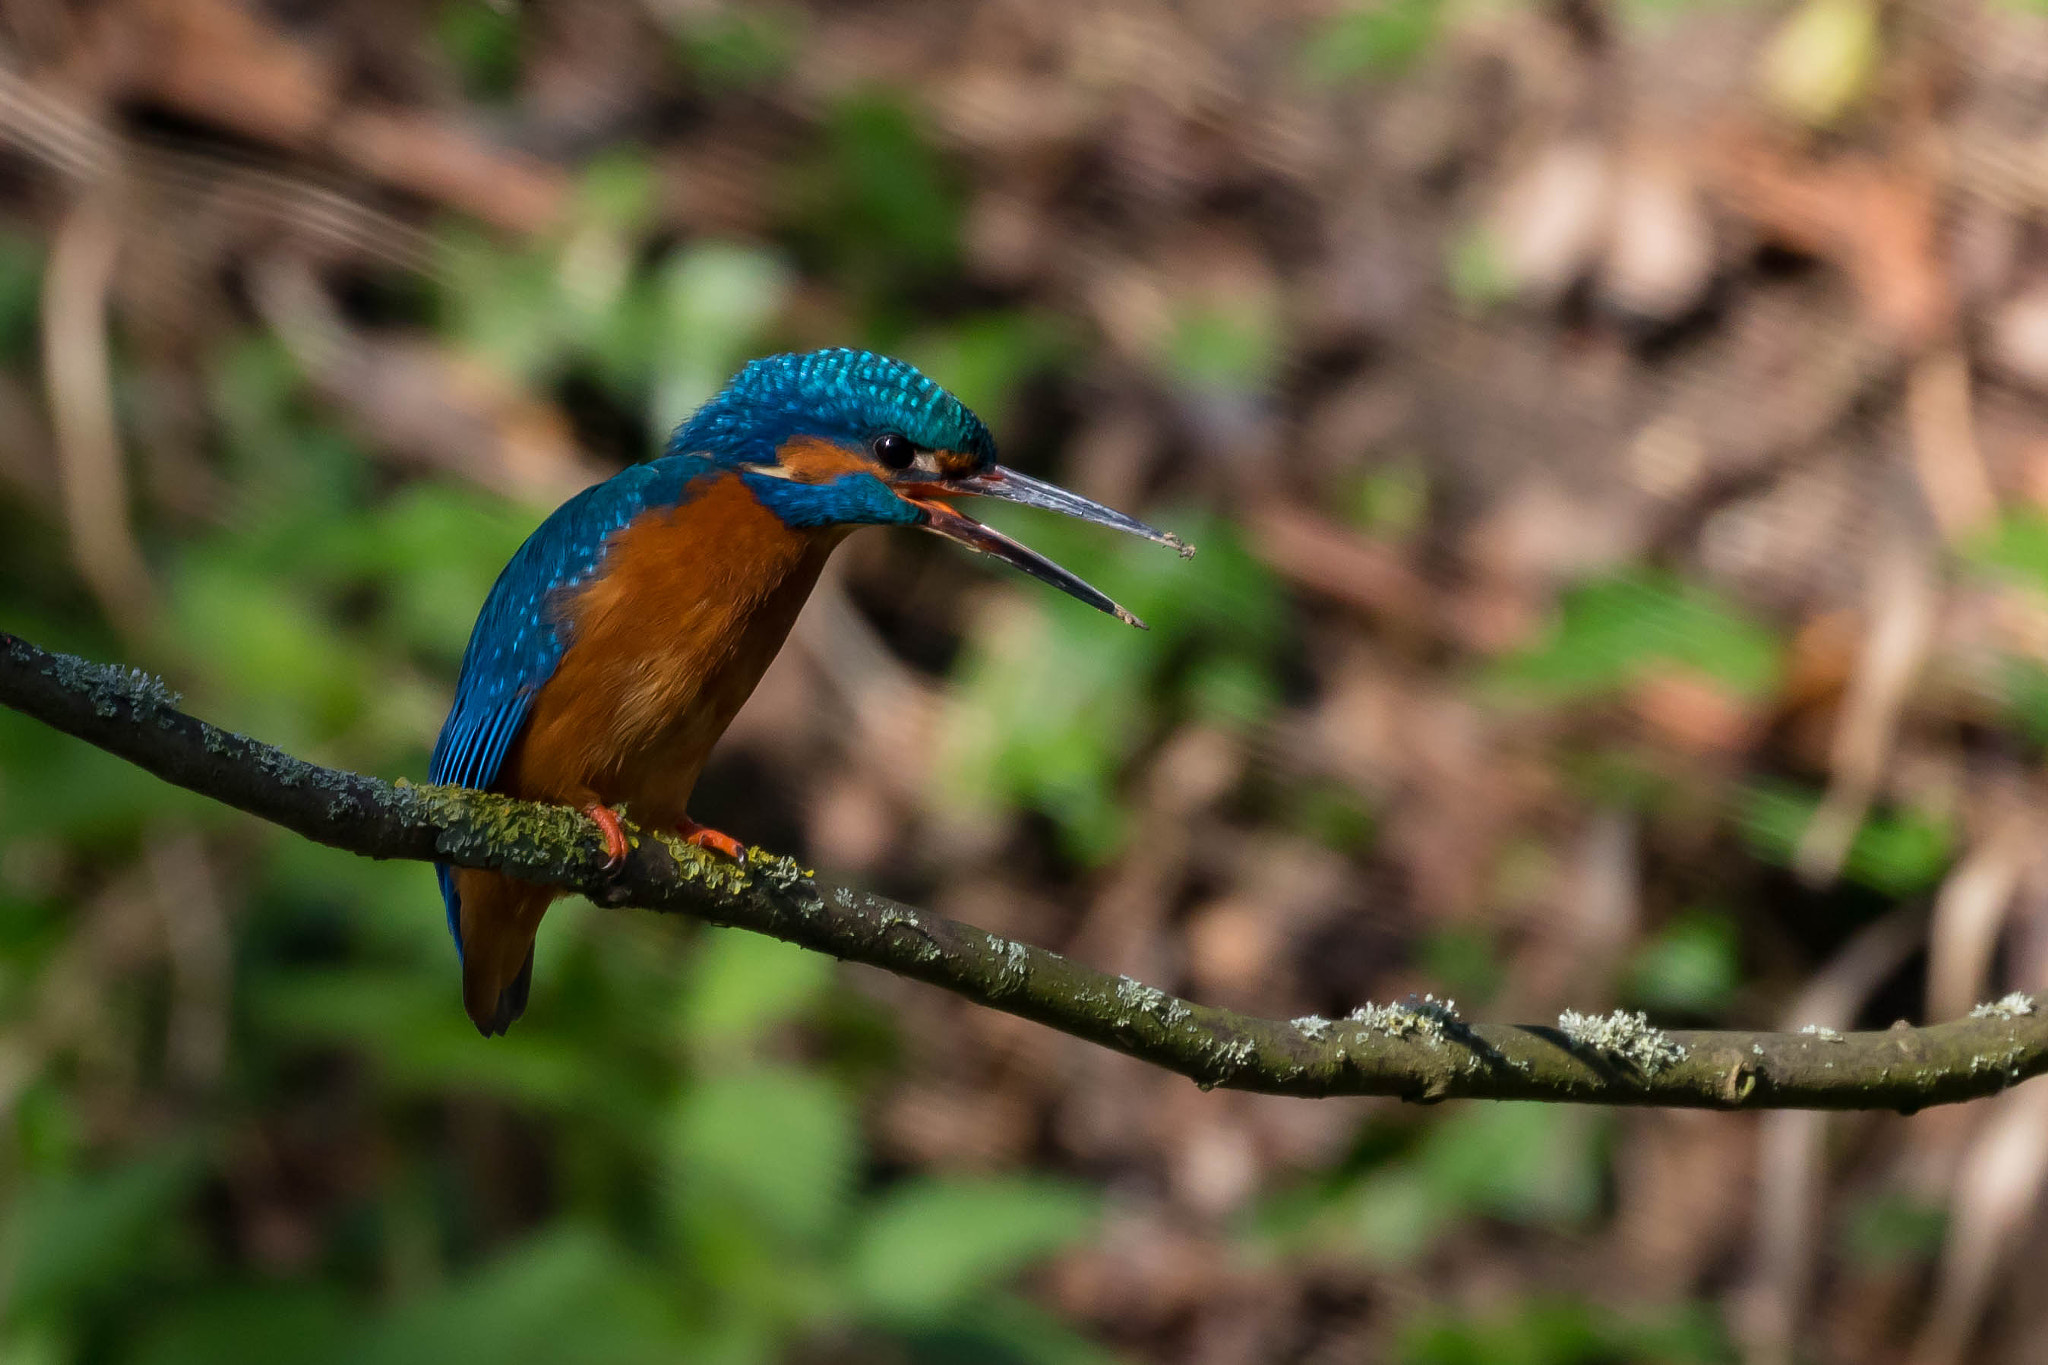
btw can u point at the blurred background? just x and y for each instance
(1617, 438)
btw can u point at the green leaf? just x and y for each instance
(1892, 1230)
(299, 681)
(567, 1295)
(1522, 1161)
(1228, 346)
(779, 1144)
(1691, 965)
(482, 39)
(619, 190)
(1395, 1216)
(1464, 960)
(1519, 1162)
(890, 194)
(1052, 698)
(2016, 547)
(714, 300)
(1476, 268)
(743, 983)
(1823, 59)
(929, 1244)
(21, 281)
(1376, 38)
(1001, 1329)
(501, 306)
(73, 1236)
(308, 1325)
(1898, 853)
(985, 358)
(437, 548)
(1392, 501)
(1613, 631)
(2025, 696)
(739, 49)
(51, 785)
(1565, 1332)
(413, 1025)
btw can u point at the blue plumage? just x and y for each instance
(621, 640)
(841, 394)
(849, 500)
(517, 642)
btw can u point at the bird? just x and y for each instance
(623, 635)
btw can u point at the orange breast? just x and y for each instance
(691, 606)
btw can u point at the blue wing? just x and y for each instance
(517, 643)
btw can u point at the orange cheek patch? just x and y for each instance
(813, 460)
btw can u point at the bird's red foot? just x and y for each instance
(703, 836)
(607, 820)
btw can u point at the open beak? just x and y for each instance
(1010, 486)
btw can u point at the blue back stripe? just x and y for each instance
(517, 645)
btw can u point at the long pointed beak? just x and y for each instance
(1010, 486)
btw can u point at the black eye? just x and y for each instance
(893, 449)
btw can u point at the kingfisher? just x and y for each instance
(622, 637)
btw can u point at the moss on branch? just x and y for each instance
(1417, 1050)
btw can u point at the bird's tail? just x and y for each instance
(495, 919)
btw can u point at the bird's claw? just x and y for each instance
(703, 836)
(615, 845)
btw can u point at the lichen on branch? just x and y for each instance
(1418, 1050)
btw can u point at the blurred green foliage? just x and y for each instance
(1049, 708)
(1392, 501)
(1416, 1186)
(1556, 1332)
(1373, 38)
(1465, 961)
(1690, 967)
(1613, 632)
(1898, 853)
(1230, 346)
(483, 41)
(2015, 550)
(876, 207)
(740, 47)
(1890, 1229)
(661, 335)
(1477, 270)
(21, 282)
(2016, 547)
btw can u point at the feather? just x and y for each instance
(518, 642)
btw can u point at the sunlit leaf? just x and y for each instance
(778, 1144)
(1565, 1332)
(70, 1236)
(1052, 698)
(1897, 853)
(930, 1243)
(1891, 1229)
(413, 1025)
(741, 983)
(1374, 38)
(1690, 965)
(566, 1295)
(1613, 631)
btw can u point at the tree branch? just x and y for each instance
(1418, 1051)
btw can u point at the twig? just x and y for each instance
(1418, 1051)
